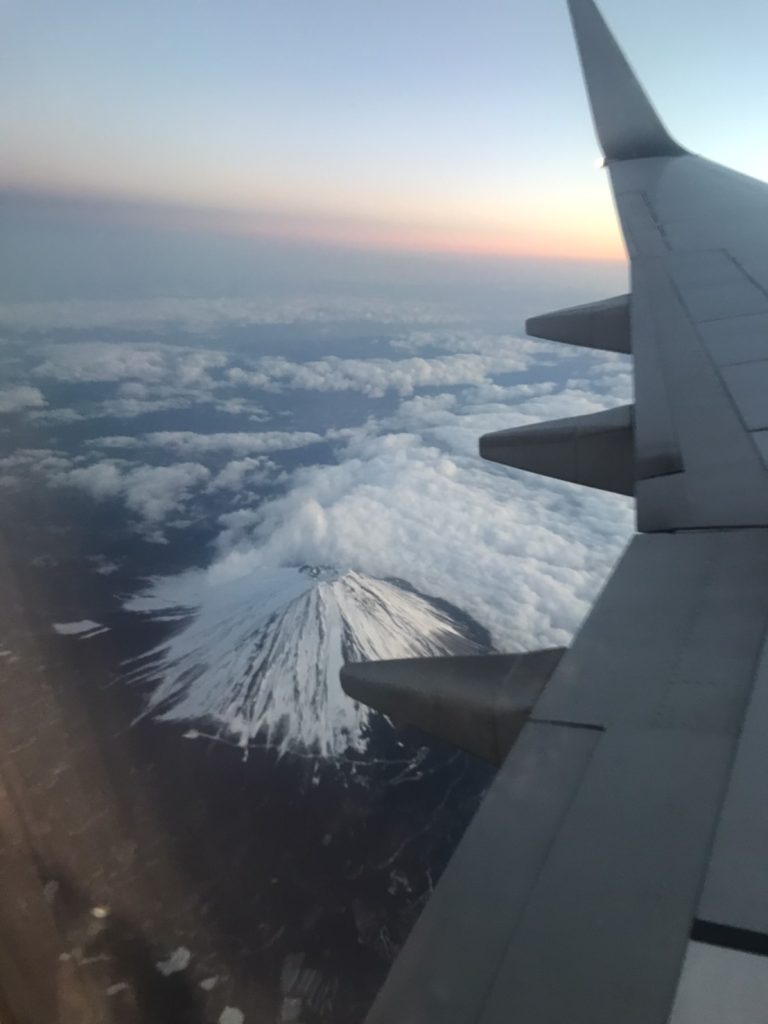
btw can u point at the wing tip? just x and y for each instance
(626, 122)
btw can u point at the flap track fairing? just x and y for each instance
(596, 450)
(477, 703)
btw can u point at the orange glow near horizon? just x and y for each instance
(546, 243)
(553, 224)
(565, 233)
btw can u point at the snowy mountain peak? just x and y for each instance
(259, 656)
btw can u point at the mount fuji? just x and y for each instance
(258, 656)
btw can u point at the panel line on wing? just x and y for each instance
(730, 393)
(568, 725)
(743, 270)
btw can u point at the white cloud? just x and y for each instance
(126, 406)
(455, 421)
(161, 377)
(168, 314)
(375, 377)
(187, 442)
(242, 407)
(152, 493)
(39, 460)
(90, 362)
(101, 480)
(107, 362)
(242, 473)
(464, 340)
(524, 556)
(22, 397)
(53, 416)
(129, 408)
(117, 441)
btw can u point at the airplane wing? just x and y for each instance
(617, 871)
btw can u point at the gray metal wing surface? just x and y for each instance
(617, 871)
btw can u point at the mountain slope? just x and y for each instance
(259, 656)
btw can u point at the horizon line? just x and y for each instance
(316, 229)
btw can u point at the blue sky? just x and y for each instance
(440, 126)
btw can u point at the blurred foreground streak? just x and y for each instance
(85, 873)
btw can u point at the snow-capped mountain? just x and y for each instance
(259, 655)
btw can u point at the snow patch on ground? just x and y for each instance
(231, 1015)
(177, 961)
(84, 630)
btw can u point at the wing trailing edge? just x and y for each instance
(627, 125)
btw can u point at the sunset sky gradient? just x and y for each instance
(440, 126)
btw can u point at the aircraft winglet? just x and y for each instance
(627, 125)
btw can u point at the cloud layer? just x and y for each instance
(400, 494)
(186, 442)
(523, 556)
(375, 377)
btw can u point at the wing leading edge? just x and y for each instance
(616, 869)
